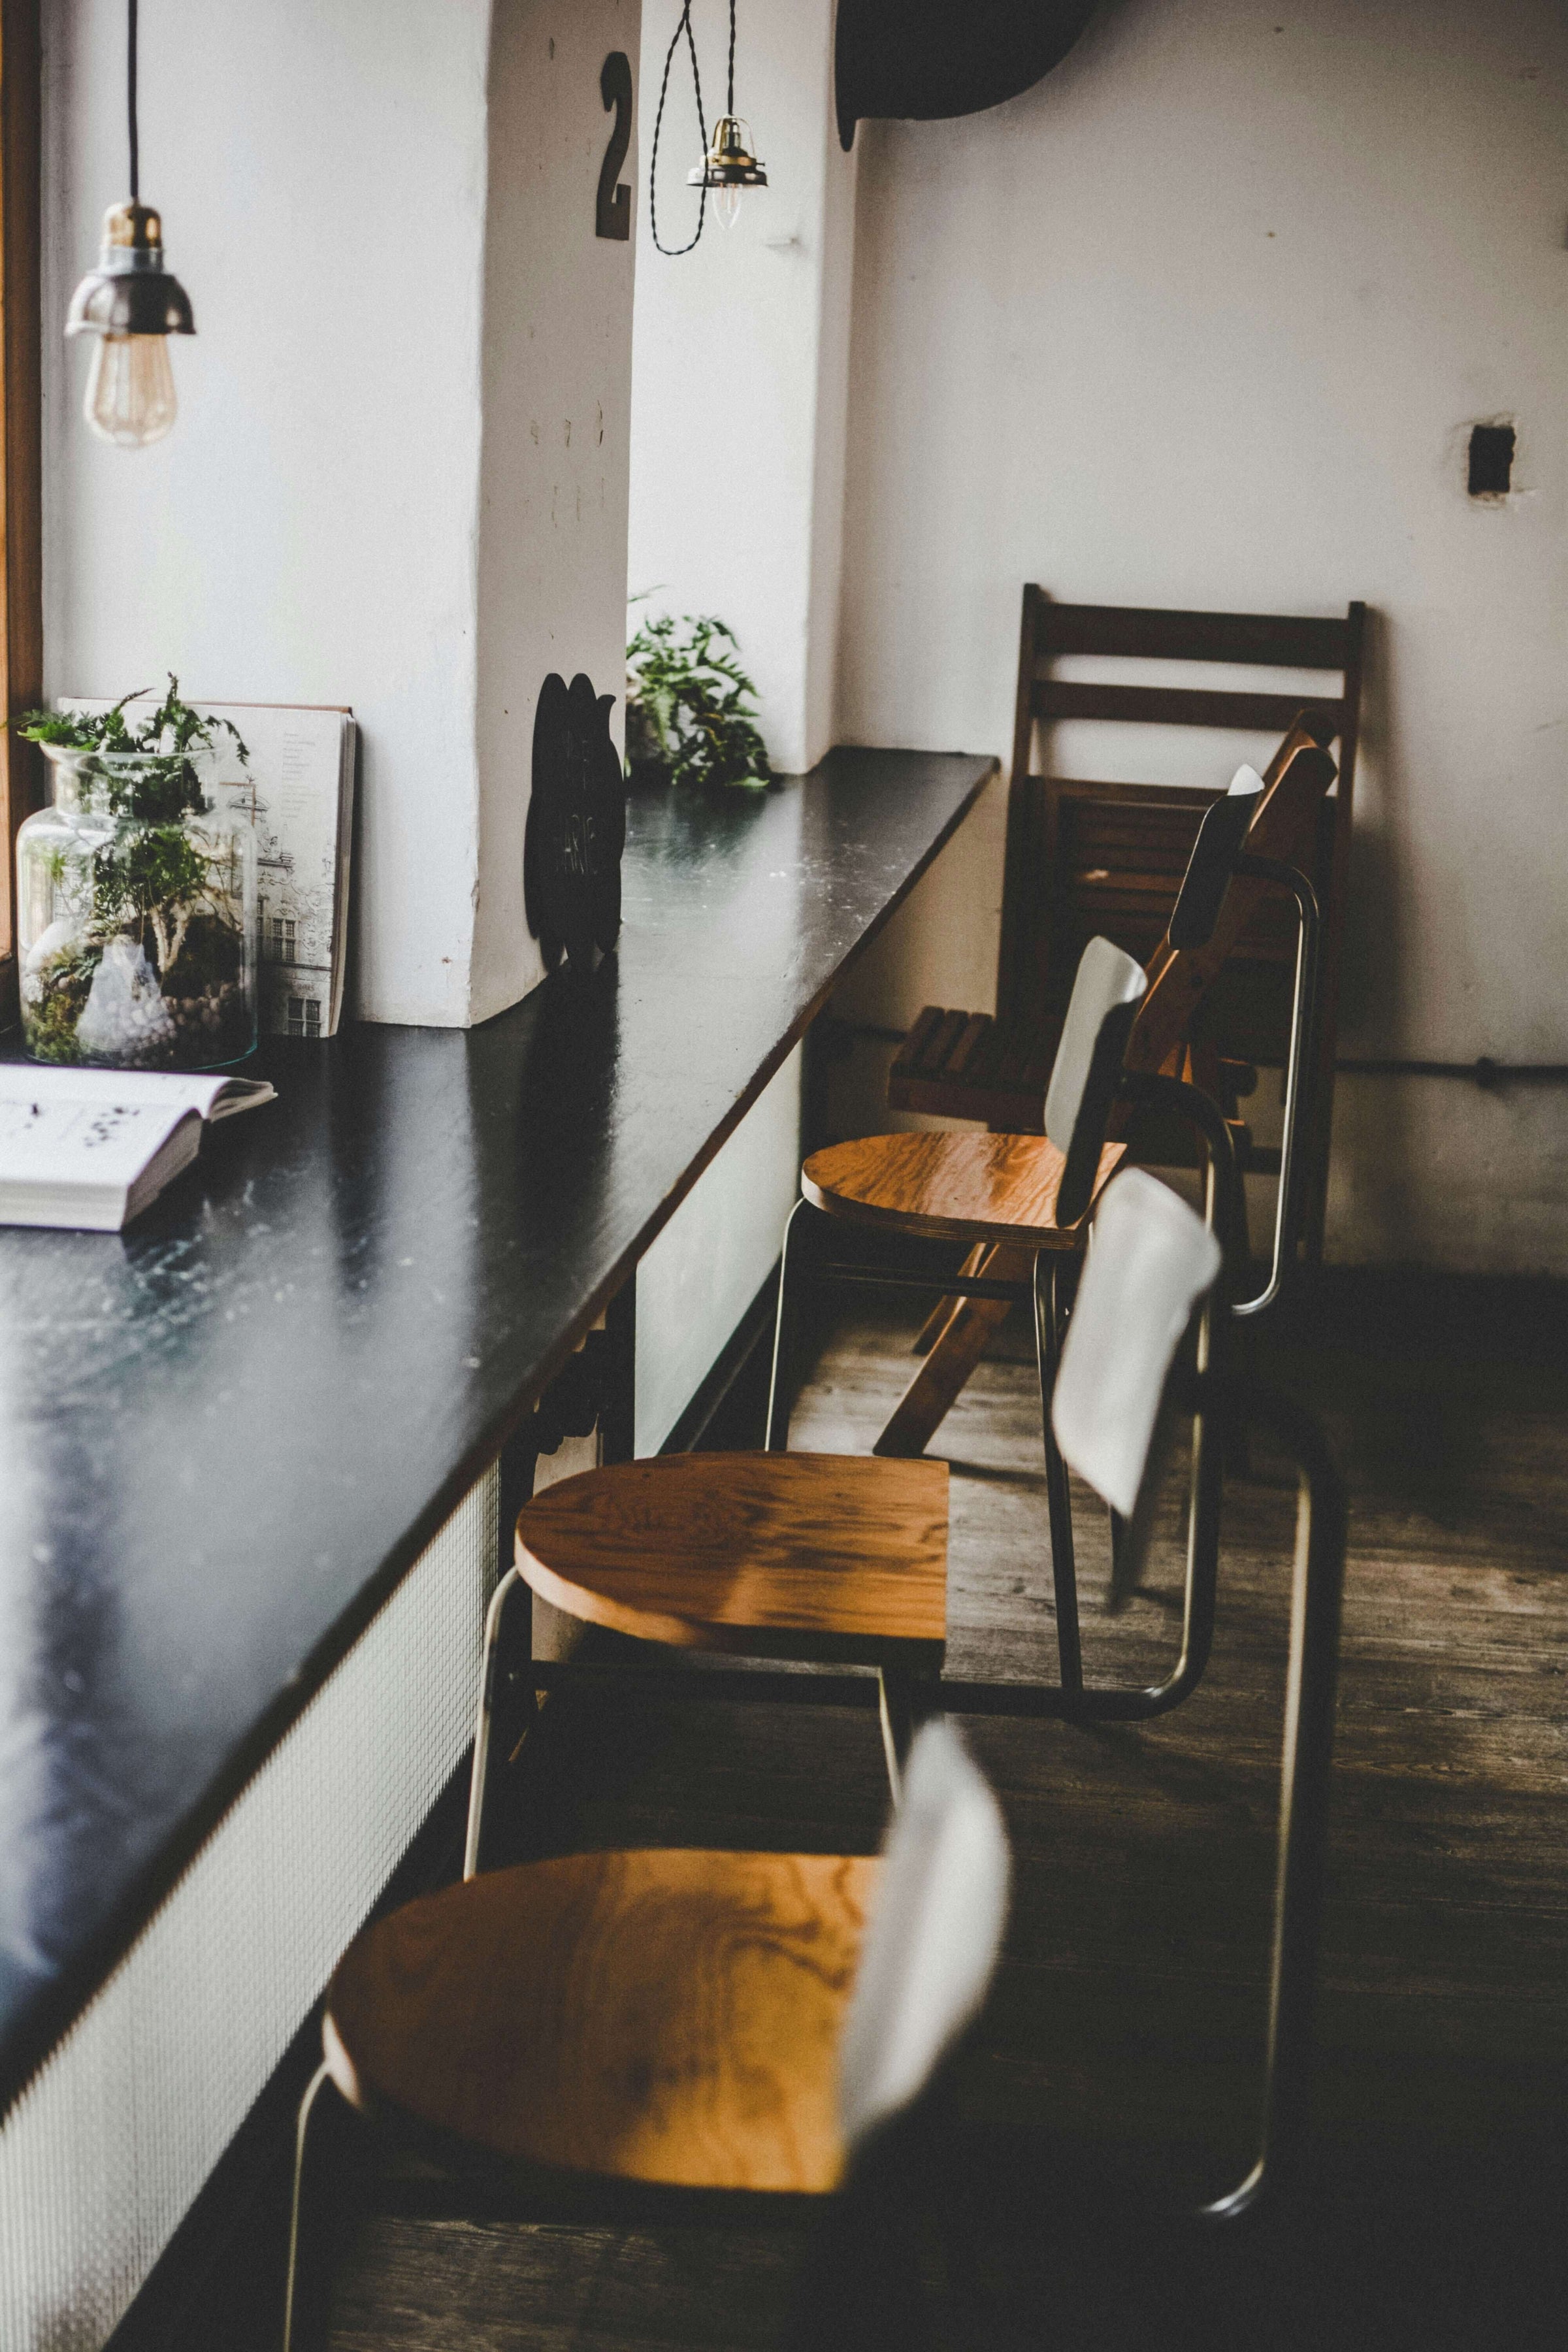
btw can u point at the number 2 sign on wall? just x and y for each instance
(613, 210)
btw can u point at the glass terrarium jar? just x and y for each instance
(136, 915)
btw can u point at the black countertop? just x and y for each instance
(226, 1434)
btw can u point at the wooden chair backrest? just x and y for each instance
(1180, 980)
(1107, 859)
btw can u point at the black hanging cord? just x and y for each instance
(131, 101)
(729, 102)
(684, 27)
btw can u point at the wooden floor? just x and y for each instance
(1116, 2060)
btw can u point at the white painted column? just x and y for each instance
(741, 363)
(384, 217)
(556, 387)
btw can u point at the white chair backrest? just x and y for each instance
(931, 1947)
(1108, 979)
(1151, 1261)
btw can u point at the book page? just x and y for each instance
(66, 1140)
(173, 1091)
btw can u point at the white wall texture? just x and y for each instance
(739, 364)
(329, 522)
(1203, 319)
(557, 402)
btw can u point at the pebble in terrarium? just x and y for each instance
(136, 896)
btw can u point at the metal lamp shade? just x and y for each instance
(130, 302)
(131, 292)
(729, 163)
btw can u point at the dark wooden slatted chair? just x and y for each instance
(1105, 859)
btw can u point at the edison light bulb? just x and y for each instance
(727, 204)
(130, 390)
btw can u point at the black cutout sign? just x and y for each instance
(576, 826)
(613, 208)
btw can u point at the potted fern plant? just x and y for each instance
(691, 706)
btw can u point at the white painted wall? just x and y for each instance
(352, 507)
(1203, 319)
(740, 364)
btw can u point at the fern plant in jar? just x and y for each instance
(135, 895)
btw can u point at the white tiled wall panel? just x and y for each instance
(104, 2152)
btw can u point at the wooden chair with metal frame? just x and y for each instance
(1228, 879)
(680, 2032)
(1021, 1200)
(817, 1558)
(1141, 1346)
(1138, 1352)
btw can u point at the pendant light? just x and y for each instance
(728, 167)
(728, 164)
(132, 304)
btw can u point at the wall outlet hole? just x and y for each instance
(1491, 461)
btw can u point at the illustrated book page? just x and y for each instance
(300, 797)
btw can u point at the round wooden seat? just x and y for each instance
(663, 2016)
(773, 1555)
(951, 1187)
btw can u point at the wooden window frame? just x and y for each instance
(21, 455)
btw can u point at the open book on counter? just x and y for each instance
(299, 794)
(92, 1148)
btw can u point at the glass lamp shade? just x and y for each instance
(130, 390)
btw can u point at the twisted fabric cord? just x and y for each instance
(683, 26)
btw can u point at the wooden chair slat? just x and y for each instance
(914, 1045)
(1281, 640)
(1173, 706)
(964, 1045)
(944, 1038)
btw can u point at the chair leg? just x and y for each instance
(906, 1698)
(953, 1356)
(1317, 1585)
(1049, 1316)
(488, 1666)
(941, 1315)
(317, 2084)
(787, 1326)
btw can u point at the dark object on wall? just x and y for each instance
(612, 209)
(922, 60)
(1491, 461)
(576, 825)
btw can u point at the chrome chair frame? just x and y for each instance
(903, 1699)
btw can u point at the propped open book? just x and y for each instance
(91, 1149)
